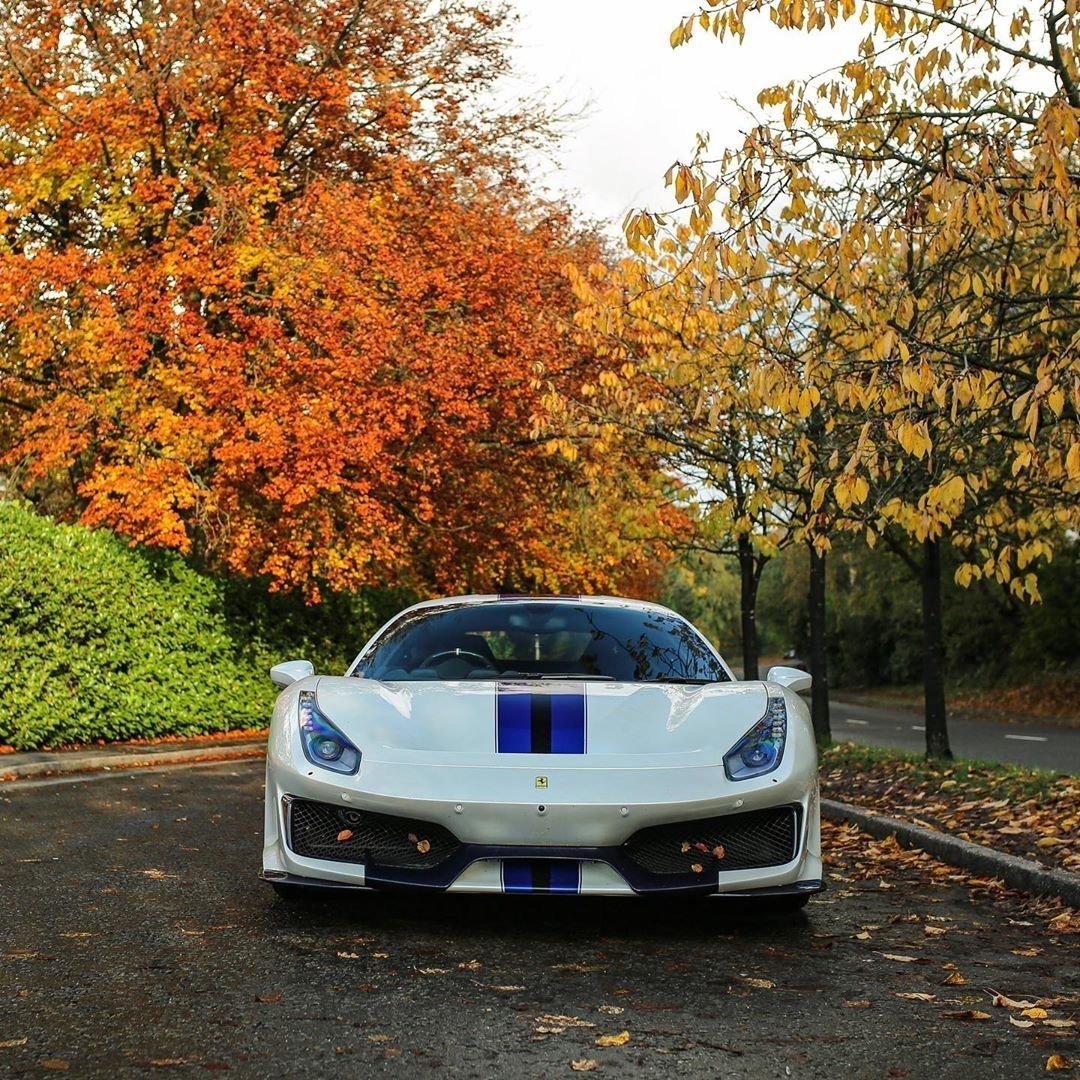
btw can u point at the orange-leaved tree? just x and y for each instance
(271, 291)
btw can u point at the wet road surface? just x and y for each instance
(135, 938)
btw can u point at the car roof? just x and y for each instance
(496, 598)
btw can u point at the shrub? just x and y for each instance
(99, 640)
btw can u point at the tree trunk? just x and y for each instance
(819, 664)
(748, 577)
(937, 733)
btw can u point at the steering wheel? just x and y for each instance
(454, 654)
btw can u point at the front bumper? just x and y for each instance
(577, 847)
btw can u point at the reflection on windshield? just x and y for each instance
(538, 639)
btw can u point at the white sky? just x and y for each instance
(645, 102)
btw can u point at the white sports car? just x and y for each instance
(508, 744)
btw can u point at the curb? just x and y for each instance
(114, 762)
(1017, 873)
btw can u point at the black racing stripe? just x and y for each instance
(540, 723)
(541, 875)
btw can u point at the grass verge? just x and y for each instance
(1031, 813)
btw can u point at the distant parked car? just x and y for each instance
(572, 745)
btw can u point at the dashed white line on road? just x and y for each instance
(1028, 738)
(861, 723)
(917, 727)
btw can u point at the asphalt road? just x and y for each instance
(1037, 745)
(136, 938)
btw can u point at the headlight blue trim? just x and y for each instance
(761, 749)
(323, 744)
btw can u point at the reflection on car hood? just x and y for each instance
(569, 717)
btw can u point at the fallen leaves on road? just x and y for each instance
(560, 1021)
(8, 1044)
(584, 1064)
(900, 958)
(954, 979)
(759, 984)
(1058, 1063)
(621, 1039)
(267, 999)
(1001, 1001)
(612, 1010)
(965, 1014)
(914, 996)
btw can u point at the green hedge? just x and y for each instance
(99, 640)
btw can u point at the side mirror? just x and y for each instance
(291, 671)
(791, 678)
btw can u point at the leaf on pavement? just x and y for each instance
(612, 1010)
(621, 1039)
(1029, 950)
(966, 1014)
(558, 1020)
(1059, 1023)
(954, 978)
(60, 1065)
(584, 1064)
(760, 984)
(7, 1044)
(1058, 1063)
(934, 931)
(856, 1004)
(469, 965)
(268, 999)
(917, 997)
(899, 958)
(349, 955)
(1035, 1013)
(1002, 1001)
(434, 971)
(1021, 1023)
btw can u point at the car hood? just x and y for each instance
(565, 717)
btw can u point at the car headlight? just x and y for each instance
(323, 744)
(759, 751)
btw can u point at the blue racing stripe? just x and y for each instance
(516, 876)
(541, 876)
(565, 877)
(568, 723)
(513, 719)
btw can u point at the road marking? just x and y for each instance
(861, 723)
(917, 727)
(1028, 738)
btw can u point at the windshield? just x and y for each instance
(538, 639)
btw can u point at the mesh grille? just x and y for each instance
(734, 842)
(375, 839)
